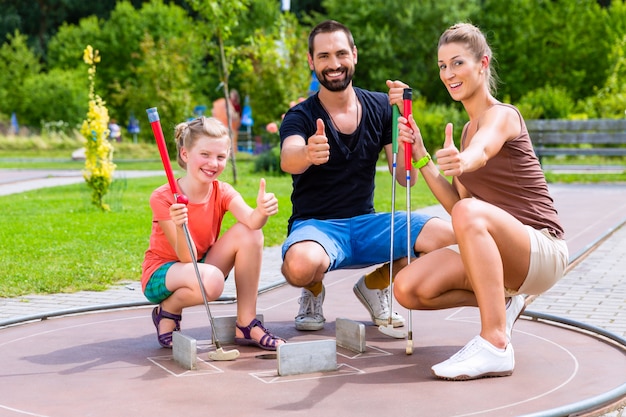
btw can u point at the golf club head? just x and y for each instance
(409, 345)
(391, 332)
(267, 356)
(223, 355)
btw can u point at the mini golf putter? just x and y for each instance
(155, 122)
(407, 98)
(389, 329)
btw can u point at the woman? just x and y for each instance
(510, 240)
(168, 277)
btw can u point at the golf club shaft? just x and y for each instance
(394, 135)
(202, 291)
(392, 238)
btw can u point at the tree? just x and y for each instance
(557, 43)
(130, 77)
(261, 49)
(397, 39)
(155, 57)
(251, 45)
(219, 19)
(40, 19)
(610, 100)
(65, 48)
(535, 42)
(162, 80)
(17, 63)
(276, 71)
(56, 95)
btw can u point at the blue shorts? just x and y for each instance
(358, 241)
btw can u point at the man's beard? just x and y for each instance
(336, 85)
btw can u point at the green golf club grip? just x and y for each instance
(394, 133)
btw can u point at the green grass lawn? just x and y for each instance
(55, 241)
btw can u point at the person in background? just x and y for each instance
(330, 144)
(219, 112)
(168, 275)
(115, 132)
(510, 238)
(235, 100)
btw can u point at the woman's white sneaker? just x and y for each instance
(514, 308)
(478, 359)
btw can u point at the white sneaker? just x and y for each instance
(478, 359)
(310, 316)
(514, 308)
(377, 303)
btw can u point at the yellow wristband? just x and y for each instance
(422, 162)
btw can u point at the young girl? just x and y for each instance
(510, 240)
(168, 277)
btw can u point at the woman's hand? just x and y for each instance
(449, 158)
(409, 135)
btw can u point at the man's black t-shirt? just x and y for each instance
(344, 186)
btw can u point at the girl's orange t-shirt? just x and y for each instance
(205, 222)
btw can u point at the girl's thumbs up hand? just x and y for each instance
(266, 203)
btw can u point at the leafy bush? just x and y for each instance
(610, 100)
(536, 44)
(36, 145)
(269, 162)
(17, 63)
(546, 103)
(432, 120)
(162, 54)
(53, 96)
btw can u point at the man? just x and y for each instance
(330, 144)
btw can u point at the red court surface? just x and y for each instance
(108, 364)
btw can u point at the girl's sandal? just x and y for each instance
(267, 342)
(165, 339)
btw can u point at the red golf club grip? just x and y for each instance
(155, 123)
(407, 97)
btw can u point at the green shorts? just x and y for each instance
(156, 291)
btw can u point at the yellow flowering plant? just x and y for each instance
(99, 166)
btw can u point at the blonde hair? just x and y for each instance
(476, 42)
(187, 133)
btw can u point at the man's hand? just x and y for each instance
(396, 92)
(317, 148)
